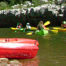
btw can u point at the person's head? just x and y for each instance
(20, 24)
(41, 22)
(27, 23)
(64, 22)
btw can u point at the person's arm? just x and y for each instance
(62, 24)
(37, 27)
(26, 26)
(44, 27)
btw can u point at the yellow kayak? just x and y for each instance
(60, 29)
(32, 28)
(57, 28)
(63, 30)
(16, 28)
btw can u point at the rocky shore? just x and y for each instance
(52, 12)
(7, 62)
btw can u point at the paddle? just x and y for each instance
(17, 26)
(30, 33)
(46, 23)
(54, 31)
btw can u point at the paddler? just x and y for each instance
(28, 26)
(19, 26)
(63, 24)
(41, 26)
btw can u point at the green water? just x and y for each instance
(52, 48)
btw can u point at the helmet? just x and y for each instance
(63, 22)
(27, 23)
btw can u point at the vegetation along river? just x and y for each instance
(52, 48)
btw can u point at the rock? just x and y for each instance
(15, 62)
(3, 61)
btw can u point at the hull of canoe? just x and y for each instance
(18, 48)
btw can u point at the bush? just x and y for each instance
(3, 5)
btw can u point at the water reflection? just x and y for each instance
(52, 49)
(30, 62)
(21, 62)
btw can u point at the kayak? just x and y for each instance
(33, 28)
(22, 29)
(16, 28)
(41, 32)
(57, 28)
(60, 29)
(18, 48)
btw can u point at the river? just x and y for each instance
(52, 48)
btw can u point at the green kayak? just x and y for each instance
(41, 32)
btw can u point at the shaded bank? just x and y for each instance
(33, 15)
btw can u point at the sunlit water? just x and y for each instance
(52, 48)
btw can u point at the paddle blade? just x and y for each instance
(30, 33)
(47, 23)
(54, 31)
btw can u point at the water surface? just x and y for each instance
(52, 48)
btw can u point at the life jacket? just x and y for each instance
(65, 26)
(28, 26)
(19, 27)
(40, 27)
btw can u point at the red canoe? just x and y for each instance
(19, 48)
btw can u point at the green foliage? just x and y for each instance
(12, 2)
(38, 3)
(8, 3)
(3, 5)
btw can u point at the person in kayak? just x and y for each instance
(19, 26)
(28, 26)
(40, 25)
(63, 24)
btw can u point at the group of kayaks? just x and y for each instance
(41, 32)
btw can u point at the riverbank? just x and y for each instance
(45, 12)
